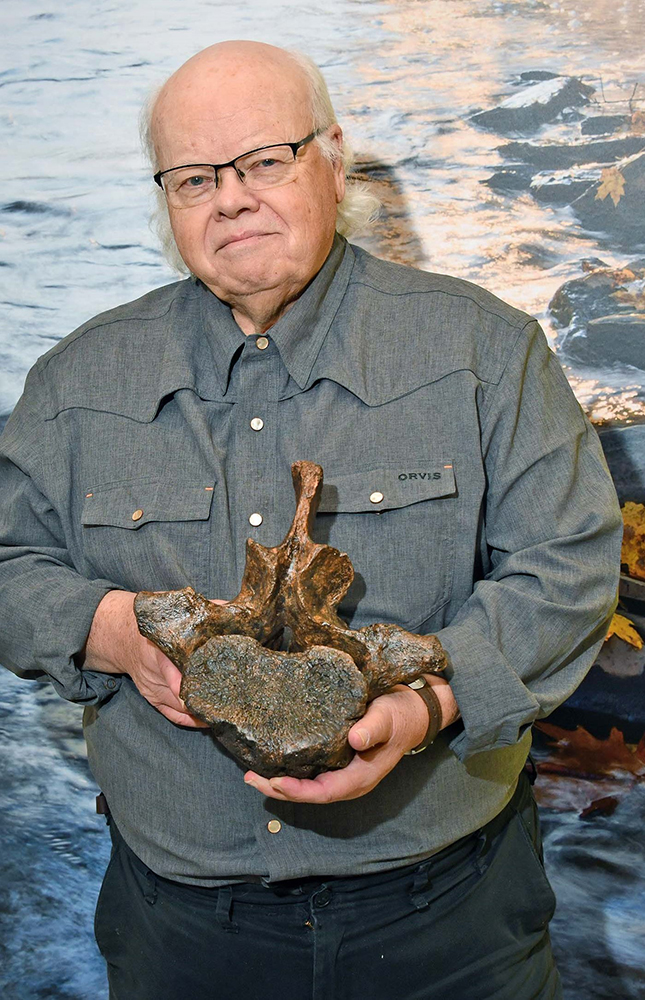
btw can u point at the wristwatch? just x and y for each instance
(422, 688)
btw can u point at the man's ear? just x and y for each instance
(336, 135)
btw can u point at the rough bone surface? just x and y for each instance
(284, 713)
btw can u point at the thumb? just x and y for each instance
(375, 727)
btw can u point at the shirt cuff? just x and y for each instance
(496, 706)
(61, 634)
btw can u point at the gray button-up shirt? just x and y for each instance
(145, 443)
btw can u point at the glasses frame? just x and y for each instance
(293, 146)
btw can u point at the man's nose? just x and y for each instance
(232, 195)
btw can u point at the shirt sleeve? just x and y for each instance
(46, 606)
(532, 628)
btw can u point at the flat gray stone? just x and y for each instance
(533, 106)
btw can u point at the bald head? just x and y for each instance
(227, 81)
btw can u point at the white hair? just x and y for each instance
(355, 213)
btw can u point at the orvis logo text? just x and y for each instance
(419, 475)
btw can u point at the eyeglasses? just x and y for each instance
(266, 167)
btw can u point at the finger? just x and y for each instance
(374, 728)
(263, 785)
(359, 777)
(164, 695)
(181, 718)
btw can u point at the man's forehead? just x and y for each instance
(222, 100)
(214, 135)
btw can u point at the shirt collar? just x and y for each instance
(299, 334)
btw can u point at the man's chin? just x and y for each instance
(243, 282)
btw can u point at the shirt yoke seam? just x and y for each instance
(441, 291)
(43, 363)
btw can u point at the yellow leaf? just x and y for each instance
(624, 629)
(633, 551)
(612, 183)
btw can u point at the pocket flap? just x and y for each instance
(135, 503)
(386, 489)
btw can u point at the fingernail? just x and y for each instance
(251, 782)
(363, 736)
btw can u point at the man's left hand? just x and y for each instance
(393, 724)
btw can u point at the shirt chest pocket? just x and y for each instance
(398, 528)
(148, 535)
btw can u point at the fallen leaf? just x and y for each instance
(633, 550)
(568, 794)
(624, 629)
(612, 183)
(578, 753)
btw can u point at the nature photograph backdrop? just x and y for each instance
(506, 141)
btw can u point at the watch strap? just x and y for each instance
(425, 691)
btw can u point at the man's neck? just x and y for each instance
(258, 313)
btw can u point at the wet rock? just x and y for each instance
(517, 178)
(618, 338)
(533, 106)
(532, 75)
(600, 313)
(627, 216)
(293, 588)
(563, 156)
(624, 449)
(597, 293)
(602, 694)
(604, 124)
(561, 187)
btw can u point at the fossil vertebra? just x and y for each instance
(284, 713)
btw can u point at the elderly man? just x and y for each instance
(470, 493)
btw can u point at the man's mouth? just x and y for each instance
(242, 238)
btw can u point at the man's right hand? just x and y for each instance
(115, 646)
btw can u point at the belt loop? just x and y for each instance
(420, 881)
(150, 895)
(224, 909)
(102, 807)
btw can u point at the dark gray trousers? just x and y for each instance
(470, 923)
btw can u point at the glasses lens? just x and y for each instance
(267, 168)
(189, 185)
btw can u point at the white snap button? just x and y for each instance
(274, 826)
(376, 497)
(138, 514)
(257, 423)
(262, 343)
(256, 520)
